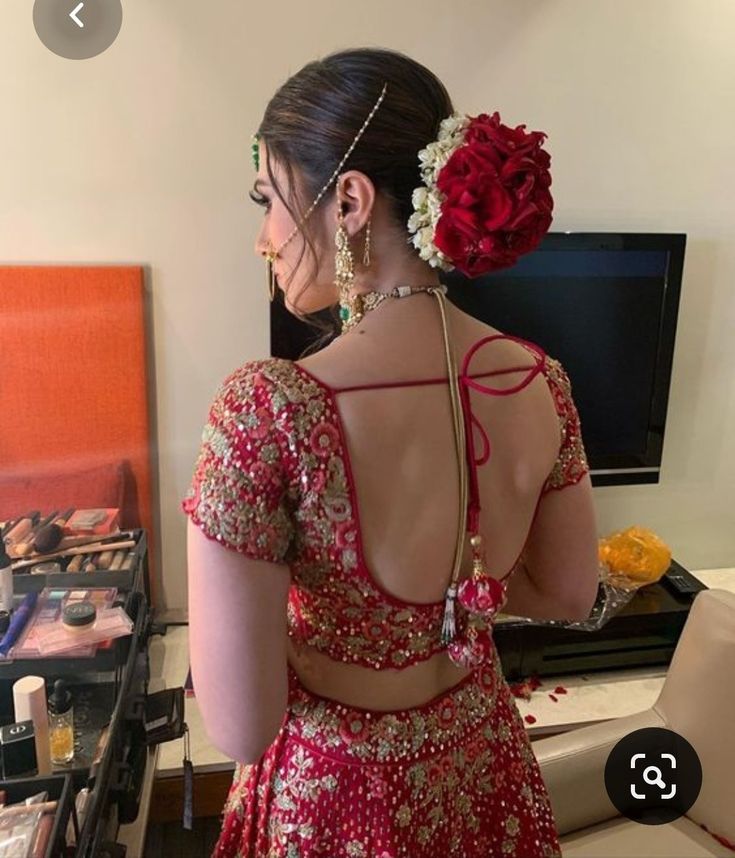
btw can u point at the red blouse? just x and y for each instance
(273, 481)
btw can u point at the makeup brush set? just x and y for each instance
(82, 540)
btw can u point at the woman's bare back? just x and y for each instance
(403, 458)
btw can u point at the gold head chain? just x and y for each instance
(273, 254)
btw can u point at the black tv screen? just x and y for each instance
(604, 304)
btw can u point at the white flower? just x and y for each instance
(434, 207)
(427, 200)
(419, 197)
(415, 222)
(427, 155)
(451, 125)
(427, 235)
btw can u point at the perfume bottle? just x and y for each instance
(61, 724)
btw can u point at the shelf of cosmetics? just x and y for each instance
(27, 592)
(114, 559)
(51, 749)
(88, 737)
(38, 818)
(66, 631)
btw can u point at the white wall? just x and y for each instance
(142, 156)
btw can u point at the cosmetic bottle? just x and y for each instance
(6, 580)
(29, 704)
(61, 724)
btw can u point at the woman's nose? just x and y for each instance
(262, 244)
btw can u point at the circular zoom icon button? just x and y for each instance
(653, 776)
(77, 30)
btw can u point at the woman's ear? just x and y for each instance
(356, 195)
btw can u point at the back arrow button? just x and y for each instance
(76, 29)
(73, 15)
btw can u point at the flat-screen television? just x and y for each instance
(606, 305)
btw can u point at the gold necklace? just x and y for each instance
(364, 302)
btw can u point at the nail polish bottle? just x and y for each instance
(61, 724)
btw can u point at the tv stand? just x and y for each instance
(643, 632)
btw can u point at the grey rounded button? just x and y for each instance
(77, 30)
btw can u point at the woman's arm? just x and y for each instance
(237, 645)
(526, 600)
(557, 577)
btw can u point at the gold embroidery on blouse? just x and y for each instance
(271, 481)
(571, 464)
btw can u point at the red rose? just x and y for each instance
(507, 141)
(497, 205)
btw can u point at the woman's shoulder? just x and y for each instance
(270, 381)
(555, 373)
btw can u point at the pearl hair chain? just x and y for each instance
(331, 179)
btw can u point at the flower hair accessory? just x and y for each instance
(485, 200)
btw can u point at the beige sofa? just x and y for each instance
(698, 702)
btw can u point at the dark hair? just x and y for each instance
(314, 116)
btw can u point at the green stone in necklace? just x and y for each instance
(366, 301)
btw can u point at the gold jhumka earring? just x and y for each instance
(366, 251)
(350, 306)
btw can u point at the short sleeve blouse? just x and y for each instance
(239, 491)
(571, 463)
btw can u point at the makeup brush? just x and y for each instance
(105, 559)
(117, 561)
(22, 549)
(8, 526)
(75, 564)
(79, 541)
(74, 541)
(96, 548)
(127, 564)
(48, 538)
(21, 529)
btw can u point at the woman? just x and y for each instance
(340, 618)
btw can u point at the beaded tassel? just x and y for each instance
(449, 628)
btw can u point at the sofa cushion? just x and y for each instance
(622, 838)
(698, 699)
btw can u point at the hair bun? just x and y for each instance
(485, 199)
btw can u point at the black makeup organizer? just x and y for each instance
(109, 690)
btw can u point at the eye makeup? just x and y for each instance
(259, 199)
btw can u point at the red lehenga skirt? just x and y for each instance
(454, 778)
